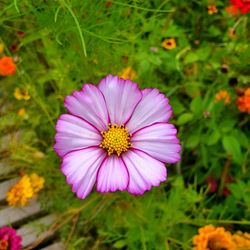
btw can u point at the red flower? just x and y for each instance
(243, 102)
(212, 184)
(7, 66)
(242, 5)
(226, 192)
(20, 34)
(9, 240)
(232, 10)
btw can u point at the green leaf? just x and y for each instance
(227, 125)
(177, 106)
(204, 155)
(193, 140)
(185, 118)
(196, 105)
(232, 147)
(191, 57)
(212, 138)
(120, 244)
(241, 137)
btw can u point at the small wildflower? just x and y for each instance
(26, 188)
(232, 10)
(213, 238)
(169, 43)
(212, 184)
(243, 102)
(9, 240)
(21, 94)
(224, 68)
(14, 48)
(7, 66)
(20, 34)
(242, 5)
(21, 112)
(128, 74)
(223, 95)
(21, 192)
(37, 182)
(226, 192)
(241, 240)
(212, 9)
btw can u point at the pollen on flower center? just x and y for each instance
(116, 139)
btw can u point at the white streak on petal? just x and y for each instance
(89, 104)
(144, 171)
(80, 168)
(159, 141)
(121, 97)
(152, 108)
(112, 175)
(74, 133)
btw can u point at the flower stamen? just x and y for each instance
(116, 139)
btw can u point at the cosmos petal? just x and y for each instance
(89, 104)
(74, 133)
(121, 97)
(144, 171)
(80, 168)
(112, 175)
(152, 108)
(159, 141)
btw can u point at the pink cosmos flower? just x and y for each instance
(9, 240)
(117, 137)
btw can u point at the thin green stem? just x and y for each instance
(16, 6)
(78, 28)
(141, 8)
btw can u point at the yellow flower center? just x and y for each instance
(116, 139)
(169, 43)
(4, 244)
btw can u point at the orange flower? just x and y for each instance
(243, 102)
(213, 238)
(25, 189)
(37, 182)
(223, 95)
(232, 10)
(21, 112)
(169, 43)
(128, 73)
(241, 240)
(212, 9)
(7, 66)
(20, 193)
